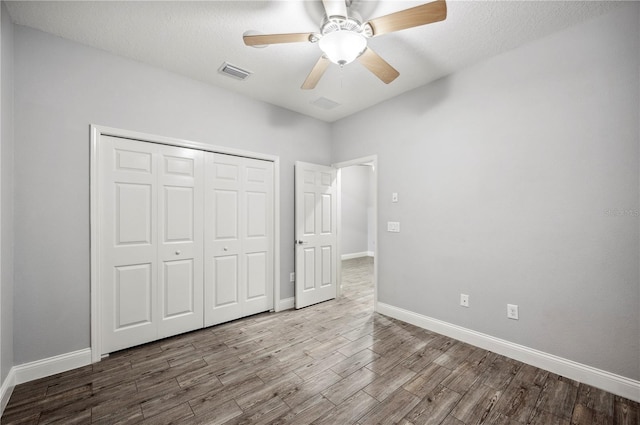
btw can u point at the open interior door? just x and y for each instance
(316, 233)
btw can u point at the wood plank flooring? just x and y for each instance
(332, 363)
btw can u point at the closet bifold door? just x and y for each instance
(151, 256)
(180, 240)
(238, 227)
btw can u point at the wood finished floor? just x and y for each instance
(333, 363)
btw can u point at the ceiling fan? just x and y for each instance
(343, 37)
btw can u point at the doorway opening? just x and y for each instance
(357, 220)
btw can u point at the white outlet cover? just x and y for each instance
(512, 311)
(464, 300)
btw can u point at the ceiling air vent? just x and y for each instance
(233, 71)
(324, 103)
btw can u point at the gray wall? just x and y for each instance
(518, 183)
(60, 88)
(356, 202)
(6, 192)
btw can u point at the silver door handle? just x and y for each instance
(299, 242)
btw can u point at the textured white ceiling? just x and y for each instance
(195, 38)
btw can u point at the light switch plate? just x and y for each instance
(394, 197)
(393, 226)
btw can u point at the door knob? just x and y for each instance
(225, 249)
(178, 252)
(300, 242)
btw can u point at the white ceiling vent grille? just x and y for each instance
(233, 71)
(324, 103)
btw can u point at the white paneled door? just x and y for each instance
(186, 240)
(315, 229)
(239, 237)
(151, 255)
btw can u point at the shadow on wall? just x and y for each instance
(421, 100)
(280, 117)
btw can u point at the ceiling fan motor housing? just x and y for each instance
(343, 38)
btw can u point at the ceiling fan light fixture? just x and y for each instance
(343, 47)
(343, 37)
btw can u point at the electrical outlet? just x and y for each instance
(464, 300)
(512, 311)
(292, 277)
(394, 197)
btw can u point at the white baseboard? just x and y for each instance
(616, 384)
(41, 369)
(7, 389)
(287, 304)
(52, 365)
(357, 255)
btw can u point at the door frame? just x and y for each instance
(371, 159)
(97, 131)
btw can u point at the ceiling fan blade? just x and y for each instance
(264, 39)
(335, 7)
(381, 68)
(409, 18)
(316, 73)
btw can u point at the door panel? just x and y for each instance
(133, 295)
(223, 244)
(315, 214)
(328, 267)
(239, 237)
(128, 263)
(178, 166)
(179, 214)
(181, 190)
(133, 213)
(178, 286)
(127, 160)
(309, 214)
(256, 215)
(256, 275)
(327, 218)
(151, 258)
(226, 270)
(226, 214)
(309, 176)
(257, 175)
(309, 269)
(257, 236)
(227, 171)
